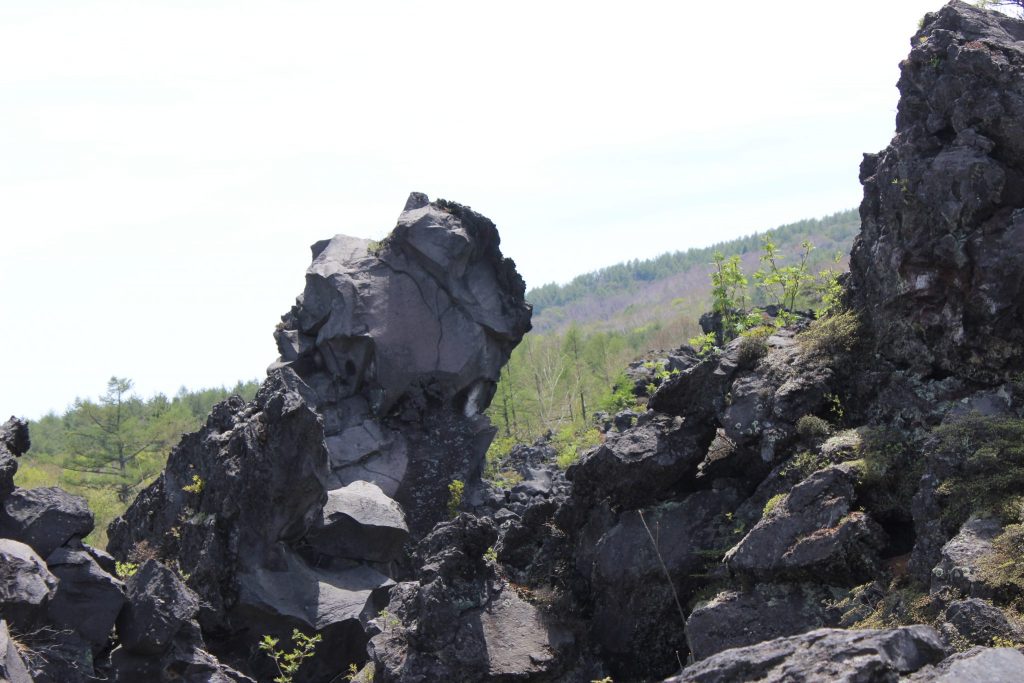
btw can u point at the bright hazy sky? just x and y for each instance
(164, 166)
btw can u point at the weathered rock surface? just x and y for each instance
(737, 618)
(26, 585)
(824, 655)
(460, 622)
(992, 665)
(298, 504)
(14, 441)
(87, 599)
(45, 518)
(812, 533)
(359, 521)
(959, 567)
(936, 265)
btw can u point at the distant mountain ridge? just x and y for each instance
(634, 293)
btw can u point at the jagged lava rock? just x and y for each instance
(824, 655)
(88, 599)
(14, 441)
(401, 344)
(45, 518)
(937, 267)
(286, 512)
(26, 585)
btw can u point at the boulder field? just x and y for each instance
(837, 500)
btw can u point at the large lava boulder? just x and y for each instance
(938, 267)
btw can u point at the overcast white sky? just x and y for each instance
(164, 166)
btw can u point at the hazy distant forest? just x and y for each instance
(585, 334)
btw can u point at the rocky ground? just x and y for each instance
(838, 500)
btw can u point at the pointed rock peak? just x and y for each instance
(416, 200)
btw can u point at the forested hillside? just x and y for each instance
(107, 449)
(587, 331)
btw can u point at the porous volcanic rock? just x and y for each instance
(937, 267)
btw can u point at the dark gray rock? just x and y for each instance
(401, 344)
(459, 621)
(991, 665)
(14, 436)
(12, 667)
(45, 518)
(936, 267)
(640, 463)
(14, 441)
(159, 606)
(866, 656)
(87, 599)
(634, 605)
(360, 522)
(978, 622)
(960, 566)
(737, 618)
(26, 586)
(812, 533)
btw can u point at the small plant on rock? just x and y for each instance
(812, 427)
(772, 504)
(288, 663)
(196, 486)
(455, 491)
(125, 570)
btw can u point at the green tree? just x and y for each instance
(107, 441)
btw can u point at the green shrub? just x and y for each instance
(806, 463)
(890, 472)
(455, 491)
(571, 440)
(772, 503)
(832, 335)
(1002, 568)
(754, 344)
(620, 397)
(811, 427)
(288, 663)
(988, 453)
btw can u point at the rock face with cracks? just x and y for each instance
(292, 511)
(938, 264)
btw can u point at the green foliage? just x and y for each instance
(754, 344)
(806, 463)
(496, 454)
(491, 555)
(989, 476)
(571, 441)
(196, 486)
(1003, 569)
(781, 284)
(901, 606)
(810, 426)
(455, 491)
(704, 344)
(830, 290)
(288, 663)
(388, 620)
(833, 335)
(772, 503)
(890, 472)
(619, 397)
(125, 569)
(728, 293)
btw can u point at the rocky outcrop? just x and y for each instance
(824, 655)
(459, 621)
(936, 268)
(12, 666)
(294, 510)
